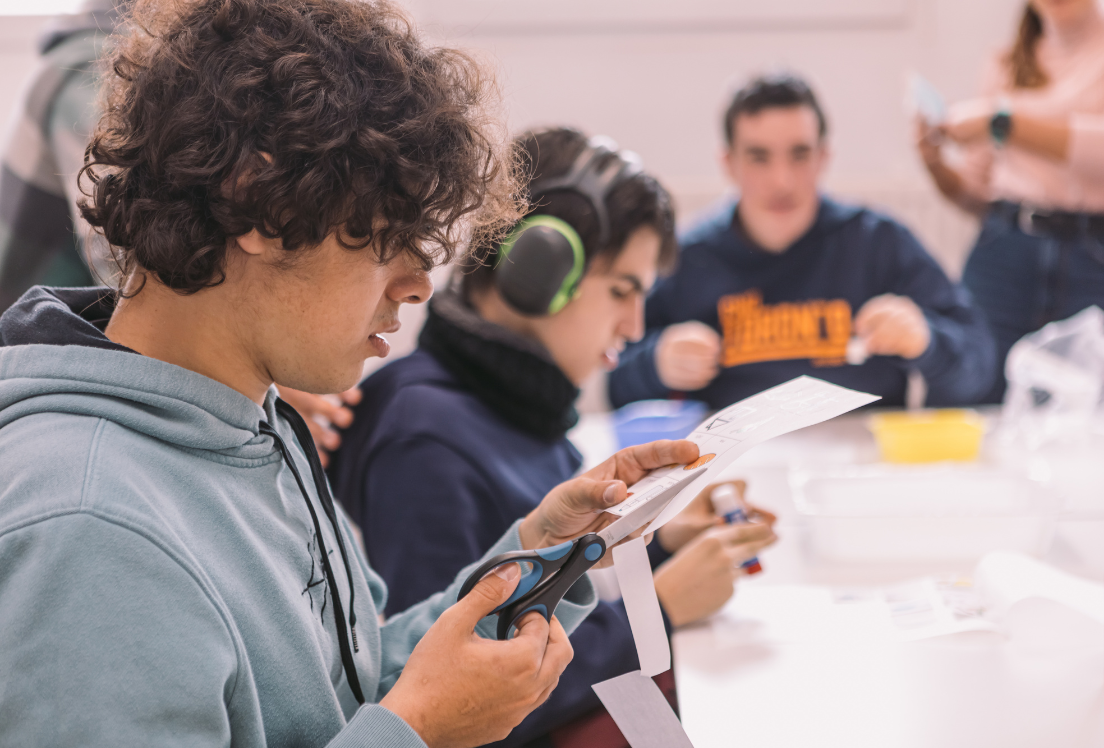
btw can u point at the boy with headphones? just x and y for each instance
(468, 432)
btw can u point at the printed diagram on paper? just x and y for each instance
(733, 431)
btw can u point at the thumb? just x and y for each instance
(490, 592)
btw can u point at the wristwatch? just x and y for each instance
(1000, 125)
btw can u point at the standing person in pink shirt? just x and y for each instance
(1034, 169)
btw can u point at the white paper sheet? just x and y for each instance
(1010, 593)
(919, 609)
(641, 712)
(726, 435)
(1006, 578)
(634, 577)
(926, 100)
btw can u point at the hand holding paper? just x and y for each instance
(725, 436)
(577, 507)
(635, 703)
(573, 528)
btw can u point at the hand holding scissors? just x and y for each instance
(548, 573)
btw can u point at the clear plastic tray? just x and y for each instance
(941, 512)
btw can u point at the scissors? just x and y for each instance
(548, 573)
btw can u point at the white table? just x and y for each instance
(757, 674)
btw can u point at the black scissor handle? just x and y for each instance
(554, 571)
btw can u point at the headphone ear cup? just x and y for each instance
(531, 277)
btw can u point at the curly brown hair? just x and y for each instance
(298, 118)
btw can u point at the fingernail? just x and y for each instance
(508, 572)
(610, 494)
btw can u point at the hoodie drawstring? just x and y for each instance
(302, 435)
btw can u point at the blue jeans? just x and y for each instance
(1021, 282)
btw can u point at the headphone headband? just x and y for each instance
(592, 181)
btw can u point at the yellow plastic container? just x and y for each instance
(928, 435)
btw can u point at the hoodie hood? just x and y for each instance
(720, 222)
(54, 357)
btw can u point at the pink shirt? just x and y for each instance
(1075, 67)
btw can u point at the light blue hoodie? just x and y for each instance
(160, 574)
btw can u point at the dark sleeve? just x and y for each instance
(37, 239)
(657, 554)
(604, 648)
(961, 361)
(635, 377)
(35, 229)
(428, 513)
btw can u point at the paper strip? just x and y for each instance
(641, 712)
(634, 576)
(723, 437)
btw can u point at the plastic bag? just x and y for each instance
(1055, 381)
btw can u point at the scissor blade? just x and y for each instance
(644, 514)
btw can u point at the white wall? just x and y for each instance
(656, 76)
(653, 74)
(658, 86)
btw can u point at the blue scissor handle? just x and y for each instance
(554, 570)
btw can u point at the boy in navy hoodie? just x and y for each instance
(453, 443)
(785, 282)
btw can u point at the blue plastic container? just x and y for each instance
(649, 420)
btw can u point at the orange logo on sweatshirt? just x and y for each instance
(815, 329)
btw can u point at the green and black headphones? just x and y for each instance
(540, 265)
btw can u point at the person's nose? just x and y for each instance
(412, 287)
(631, 327)
(781, 175)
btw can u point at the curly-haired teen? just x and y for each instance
(275, 178)
(416, 469)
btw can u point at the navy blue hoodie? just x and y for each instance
(785, 314)
(441, 459)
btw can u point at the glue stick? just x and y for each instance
(726, 503)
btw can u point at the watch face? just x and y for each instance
(1000, 126)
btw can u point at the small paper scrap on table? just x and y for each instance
(721, 439)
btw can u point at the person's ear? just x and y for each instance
(254, 243)
(824, 157)
(727, 160)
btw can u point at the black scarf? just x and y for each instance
(514, 376)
